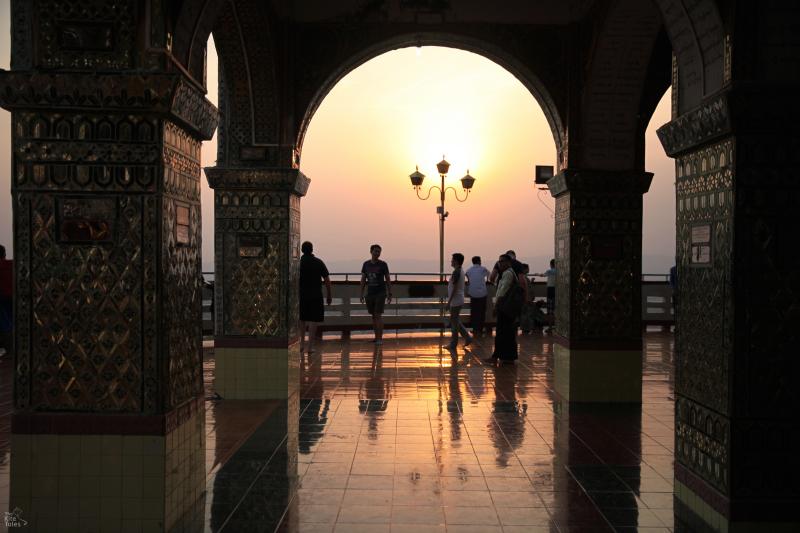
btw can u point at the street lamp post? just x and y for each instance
(467, 182)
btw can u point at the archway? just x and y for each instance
(409, 107)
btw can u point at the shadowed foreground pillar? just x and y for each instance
(736, 366)
(598, 354)
(108, 423)
(257, 252)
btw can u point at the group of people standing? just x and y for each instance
(513, 302)
(513, 298)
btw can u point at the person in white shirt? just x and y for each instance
(476, 290)
(455, 301)
(550, 274)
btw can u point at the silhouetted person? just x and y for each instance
(375, 277)
(505, 338)
(550, 274)
(673, 284)
(312, 274)
(516, 266)
(455, 301)
(6, 301)
(476, 289)
(527, 316)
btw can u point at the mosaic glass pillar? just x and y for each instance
(598, 234)
(736, 424)
(108, 423)
(257, 255)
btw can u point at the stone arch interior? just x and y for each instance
(539, 91)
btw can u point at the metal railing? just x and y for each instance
(419, 303)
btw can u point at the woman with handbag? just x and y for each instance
(507, 308)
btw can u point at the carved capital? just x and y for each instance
(599, 181)
(167, 95)
(262, 179)
(698, 126)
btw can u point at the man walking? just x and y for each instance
(312, 273)
(455, 301)
(375, 277)
(476, 289)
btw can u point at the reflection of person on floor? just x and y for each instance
(509, 431)
(375, 398)
(6, 299)
(315, 415)
(312, 274)
(454, 402)
(311, 376)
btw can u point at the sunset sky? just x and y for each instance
(409, 107)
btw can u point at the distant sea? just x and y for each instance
(651, 264)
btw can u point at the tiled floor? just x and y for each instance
(408, 438)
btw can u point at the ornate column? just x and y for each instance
(108, 397)
(257, 252)
(738, 190)
(598, 354)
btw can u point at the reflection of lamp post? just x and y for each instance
(466, 182)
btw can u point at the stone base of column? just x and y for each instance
(694, 511)
(701, 507)
(92, 472)
(598, 376)
(256, 370)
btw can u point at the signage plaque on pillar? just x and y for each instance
(701, 246)
(86, 220)
(252, 245)
(182, 224)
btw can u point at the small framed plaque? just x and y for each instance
(86, 220)
(701, 245)
(182, 224)
(252, 245)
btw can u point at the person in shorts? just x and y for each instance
(313, 273)
(375, 277)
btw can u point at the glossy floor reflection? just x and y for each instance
(408, 438)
